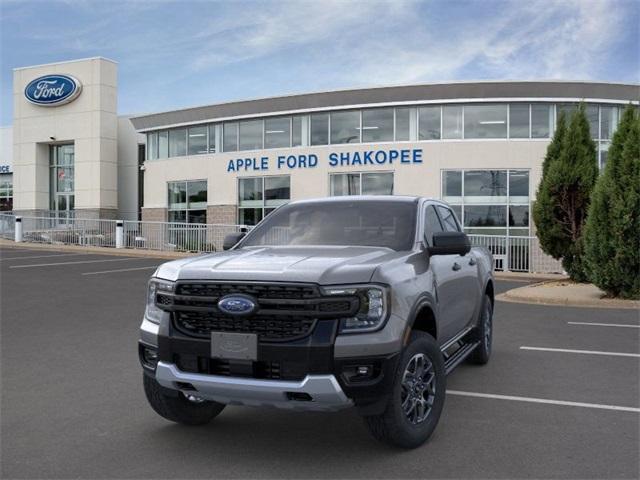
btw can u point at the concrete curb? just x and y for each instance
(585, 296)
(125, 252)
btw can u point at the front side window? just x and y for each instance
(251, 135)
(197, 140)
(389, 224)
(373, 183)
(432, 224)
(277, 132)
(178, 142)
(319, 129)
(449, 222)
(429, 123)
(259, 196)
(377, 125)
(345, 127)
(485, 121)
(187, 201)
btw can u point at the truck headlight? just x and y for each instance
(372, 313)
(152, 312)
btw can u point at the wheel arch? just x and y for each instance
(423, 318)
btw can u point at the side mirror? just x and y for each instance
(231, 239)
(450, 243)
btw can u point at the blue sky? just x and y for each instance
(179, 54)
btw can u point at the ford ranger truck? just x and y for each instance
(365, 302)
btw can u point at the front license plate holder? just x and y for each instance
(234, 346)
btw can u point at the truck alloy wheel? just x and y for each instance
(418, 388)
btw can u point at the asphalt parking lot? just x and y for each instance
(565, 406)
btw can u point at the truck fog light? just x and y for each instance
(363, 371)
(150, 357)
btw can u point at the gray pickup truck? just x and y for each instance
(365, 302)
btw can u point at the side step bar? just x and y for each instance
(456, 358)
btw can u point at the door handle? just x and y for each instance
(456, 266)
(472, 261)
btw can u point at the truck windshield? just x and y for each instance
(388, 224)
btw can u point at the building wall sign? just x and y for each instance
(5, 168)
(362, 158)
(53, 90)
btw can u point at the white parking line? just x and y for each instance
(544, 400)
(42, 256)
(586, 352)
(75, 263)
(121, 270)
(605, 324)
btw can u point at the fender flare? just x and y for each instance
(424, 300)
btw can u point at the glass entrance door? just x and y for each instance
(61, 185)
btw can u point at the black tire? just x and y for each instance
(394, 426)
(178, 408)
(483, 333)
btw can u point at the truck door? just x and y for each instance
(445, 279)
(467, 287)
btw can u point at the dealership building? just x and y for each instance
(477, 145)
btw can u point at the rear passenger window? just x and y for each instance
(449, 221)
(432, 224)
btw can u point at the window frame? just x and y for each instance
(360, 175)
(263, 207)
(187, 208)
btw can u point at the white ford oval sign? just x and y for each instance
(53, 90)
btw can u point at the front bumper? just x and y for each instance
(304, 374)
(314, 392)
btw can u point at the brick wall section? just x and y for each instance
(222, 214)
(154, 214)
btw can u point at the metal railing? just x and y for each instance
(181, 237)
(69, 231)
(7, 226)
(517, 254)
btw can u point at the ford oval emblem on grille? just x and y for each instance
(237, 305)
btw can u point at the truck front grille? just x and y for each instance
(285, 311)
(268, 327)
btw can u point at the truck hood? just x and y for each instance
(322, 265)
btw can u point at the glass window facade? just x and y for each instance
(489, 202)
(369, 183)
(197, 140)
(381, 124)
(277, 132)
(319, 129)
(519, 120)
(377, 125)
(345, 127)
(230, 137)
(429, 123)
(187, 201)
(251, 135)
(485, 121)
(452, 121)
(403, 124)
(259, 196)
(6, 192)
(178, 142)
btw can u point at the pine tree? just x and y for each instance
(612, 233)
(563, 197)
